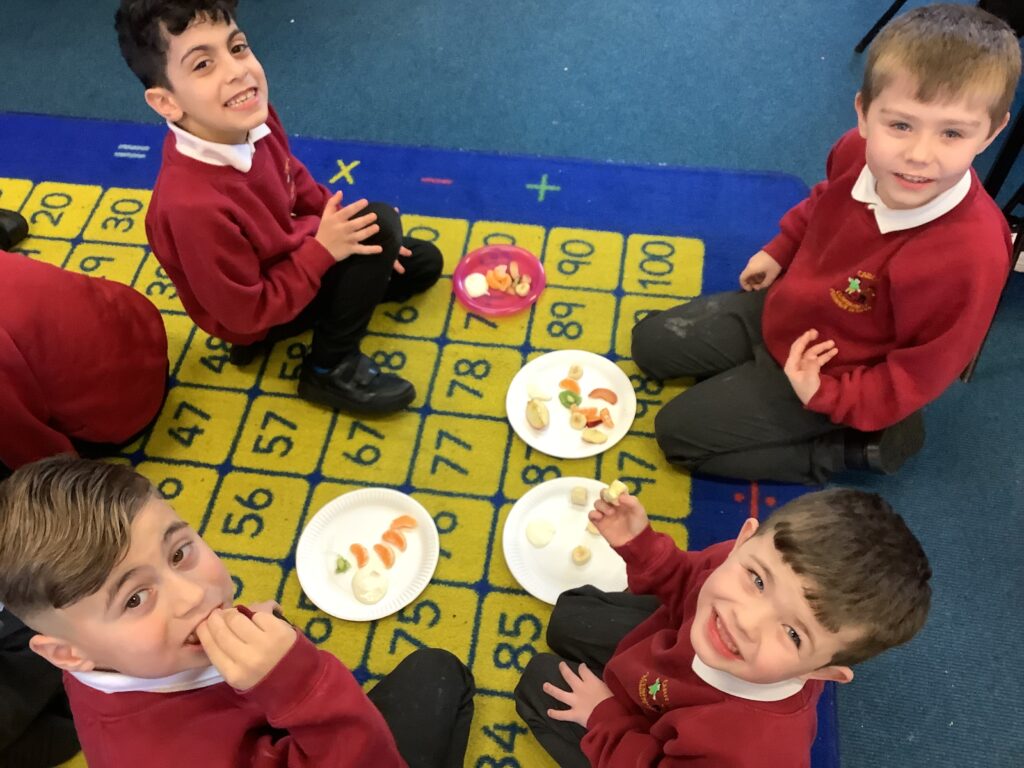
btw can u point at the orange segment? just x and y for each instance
(404, 522)
(385, 553)
(571, 384)
(360, 553)
(395, 538)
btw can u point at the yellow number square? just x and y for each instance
(449, 235)
(256, 514)
(528, 236)
(345, 639)
(186, 488)
(570, 319)
(528, 467)
(473, 381)
(509, 331)
(667, 266)
(459, 529)
(377, 450)
(282, 432)
(500, 739)
(179, 328)
(197, 425)
(412, 360)
(53, 252)
(441, 617)
(651, 395)
(14, 193)
(633, 309)
(60, 210)
(157, 286)
(120, 217)
(511, 632)
(639, 463)
(284, 365)
(207, 361)
(114, 262)
(498, 573)
(583, 258)
(422, 315)
(458, 453)
(254, 581)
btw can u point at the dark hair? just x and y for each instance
(65, 523)
(950, 51)
(140, 26)
(861, 565)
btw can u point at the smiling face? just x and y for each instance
(142, 620)
(754, 622)
(918, 150)
(218, 88)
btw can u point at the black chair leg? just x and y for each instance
(886, 17)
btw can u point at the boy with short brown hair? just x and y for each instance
(162, 670)
(716, 659)
(877, 291)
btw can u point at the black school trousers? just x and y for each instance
(351, 290)
(427, 702)
(585, 627)
(741, 419)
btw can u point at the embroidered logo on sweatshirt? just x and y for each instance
(858, 295)
(653, 695)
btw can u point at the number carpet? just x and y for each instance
(248, 463)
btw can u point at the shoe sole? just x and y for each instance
(897, 444)
(321, 396)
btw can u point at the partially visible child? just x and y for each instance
(256, 248)
(163, 671)
(716, 659)
(879, 288)
(83, 362)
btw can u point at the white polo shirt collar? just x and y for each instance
(238, 156)
(115, 682)
(893, 220)
(742, 689)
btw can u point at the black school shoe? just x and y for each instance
(13, 229)
(885, 450)
(356, 385)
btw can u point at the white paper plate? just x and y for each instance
(559, 439)
(360, 517)
(547, 572)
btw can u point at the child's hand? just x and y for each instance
(760, 272)
(244, 650)
(403, 251)
(342, 234)
(803, 366)
(619, 525)
(587, 691)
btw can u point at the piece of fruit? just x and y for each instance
(476, 285)
(604, 394)
(606, 418)
(615, 489)
(594, 422)
(522, 289)
(581, 555)
(404, 522)
(360, 553)
(578, 495)
(577, 420)
(385, 553)
(395, 538)
(594, 436)
(537, 415)
(592, 529)
(513, 269)
(575, 371)
(540, 532)
(341, 564)
(569, 399)
(535, 392)
(569, 384)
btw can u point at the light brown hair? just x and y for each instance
(65, 523)
(861, 565)
(950, 51)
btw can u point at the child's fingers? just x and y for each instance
(403, 251)
(352, 209)
(366, 250)
(217, 656)
(360, 235)
(819, 349)
(243, 627)
(568, 675)
(399, 268)
(562, 714)
(356, 223)
(559, 694)
(332, 203)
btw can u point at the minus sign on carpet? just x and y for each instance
(432, 180)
